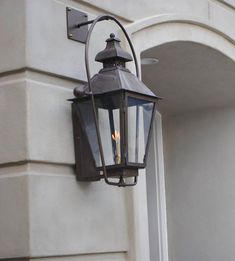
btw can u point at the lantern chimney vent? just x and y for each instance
(113, 54)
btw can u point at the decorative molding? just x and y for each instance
(174, 18)
(160, 180)
(225, 3)
(31, 69)
(156, 196)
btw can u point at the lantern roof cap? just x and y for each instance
(118, 79)
(113, 51)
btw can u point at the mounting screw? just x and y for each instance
(69, 8)
(70, 35)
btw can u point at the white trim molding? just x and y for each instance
(161, 29)
(156, 199)
(176, 18)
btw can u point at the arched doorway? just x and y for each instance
(198, 112)
(191, 54)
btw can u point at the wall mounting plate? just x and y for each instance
(74, 17)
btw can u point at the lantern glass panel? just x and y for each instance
(108, 113)
(139, 121)
(88, 123)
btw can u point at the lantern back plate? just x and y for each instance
(74, 17)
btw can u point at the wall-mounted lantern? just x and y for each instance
(112, 116)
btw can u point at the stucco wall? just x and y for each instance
(143, 9)
(199, 169)
(44, 212)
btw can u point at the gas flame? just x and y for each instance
(116, 136)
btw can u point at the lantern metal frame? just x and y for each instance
(123, 128)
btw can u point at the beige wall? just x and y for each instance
(44, 212)
(199, 168)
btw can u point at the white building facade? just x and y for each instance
(183, 205)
